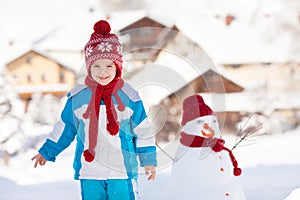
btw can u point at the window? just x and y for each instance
(28, 60)
(62, 77)
(43, 78)
(29, 79)
(236, 66)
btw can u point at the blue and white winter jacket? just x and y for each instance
(116, 156)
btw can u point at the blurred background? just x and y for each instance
(242, 56)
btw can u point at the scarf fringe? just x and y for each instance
(100, 92)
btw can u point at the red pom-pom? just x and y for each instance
(121, 107)
(89, 156)
(113, 128)
(237, 171)
(85, 115)
(102, 27)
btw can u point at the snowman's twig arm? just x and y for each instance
(243, 126)
(164, 151)
(245, 136)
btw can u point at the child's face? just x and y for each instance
(103, 71)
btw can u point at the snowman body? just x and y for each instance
(200, 172)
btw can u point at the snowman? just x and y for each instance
(203, 167)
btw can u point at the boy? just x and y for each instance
(108, 119)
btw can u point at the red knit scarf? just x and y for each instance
(215, 144)
(100, 92)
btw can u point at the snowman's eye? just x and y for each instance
(198, 122)
(214, 121)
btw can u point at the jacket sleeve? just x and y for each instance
(144, 138)
(62, 134)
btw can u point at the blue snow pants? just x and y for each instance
(111, 189)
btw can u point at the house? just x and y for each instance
(145, 37)
(215, 88)
(36, 72)
(275, 87)
(178, 68)
(258, 54)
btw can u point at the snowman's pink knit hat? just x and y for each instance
(194, 107)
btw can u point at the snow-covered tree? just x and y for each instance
(42, 113)
(44, 109)
(20, 130)
(11, 112)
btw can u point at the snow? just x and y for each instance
(209, 170)
(271, 170)
(271, 166)
(45, 25)
(252, 36)
(153, 78)
(295, 195)
(252, 101)
(121, 20)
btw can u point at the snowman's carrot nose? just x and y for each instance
(211, 132)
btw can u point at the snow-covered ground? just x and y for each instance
(271, 171)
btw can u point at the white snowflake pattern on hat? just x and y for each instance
(88, 51)
(105, 46)
(119, 49)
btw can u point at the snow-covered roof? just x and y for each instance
(119, 20)
(163, 77)
(45, 54)
(32, 19)
(9, 53)
(27, 23)
(50, 24)
(230, 102)
(251, 101)
(262, 31)
(122, 19)
(257, 34)
(236, 44)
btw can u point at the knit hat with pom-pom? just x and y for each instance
(194, 107)
(103, 45)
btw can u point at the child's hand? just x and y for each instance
(39, 159)
(150, 170)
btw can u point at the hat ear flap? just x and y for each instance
(118, 69)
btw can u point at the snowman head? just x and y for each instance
(206, 126)
(198, 119)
